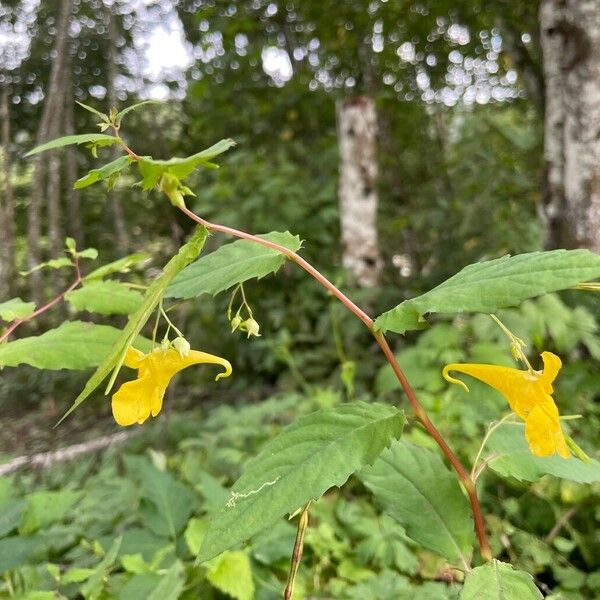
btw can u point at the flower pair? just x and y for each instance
(529, 395)
(136, 400)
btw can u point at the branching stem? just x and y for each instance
(418, 409)
(46, 306)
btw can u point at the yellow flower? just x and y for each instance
(529, 396)
(136, 400)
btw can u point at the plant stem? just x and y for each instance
(297, 553)
(418, 409)
(46, 306)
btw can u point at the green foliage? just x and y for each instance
(415, 488)
(106, 297)
(510, 457)
(15, 308)
(122, 265)
(231, 573)
(499, 283)
(152, 170)
(231, 264)
(108, 171)
(97, 139)
(114, 358)
(499, 580)
(72, 345)
(318, 452)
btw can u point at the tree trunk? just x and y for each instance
(7, 205)
(75, 228)
(570, 38)
(357, 124)
(121, 234)
(46, 177)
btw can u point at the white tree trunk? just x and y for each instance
(570, 38)
(357, 125)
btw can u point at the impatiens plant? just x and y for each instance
(439, 510)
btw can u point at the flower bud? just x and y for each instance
(235, 322)
(182, 346)
(251, 326)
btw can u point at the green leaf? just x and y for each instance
(316, 453)
(151, 169)
(105, 297)
(15, 308)
(44, 508)
(194, 535)
(100, 139)
(15, 550)
(122, 265)
(487, 286)
(497, 581)
(231, 574)
(167, 503)
(54, 263)
(513, 458)
(128, 109)
(170, 585)
(77, 575)
(74, 345)
(137, 320)
(415, 488)
(93, 110)
(232, 264)
(10, 515)
(104, 172)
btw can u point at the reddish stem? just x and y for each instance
(44, 308)
(417, 407)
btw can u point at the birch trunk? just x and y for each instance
(357, 124)
(570, 39)
(7, 205)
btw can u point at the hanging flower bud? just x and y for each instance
(235, 322)
(250, 326)
(182, 346)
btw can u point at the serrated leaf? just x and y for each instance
(93, 138)
(74, 345)
(231, 574)
(415, 488)
(122, 265)
(54, 263)
(232, 264)
(105, 172)
(15, 308)
(307, 458)
(154, 293)
(93, 110)
(499, 580)
(490, 285)
(513, 458)
(128, 109)
(151, 169)
(105, 297)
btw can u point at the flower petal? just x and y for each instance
(132, 402)
(552, 365)
(543, 432)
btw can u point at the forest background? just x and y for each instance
(486, 144)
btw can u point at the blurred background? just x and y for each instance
(401, 140)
